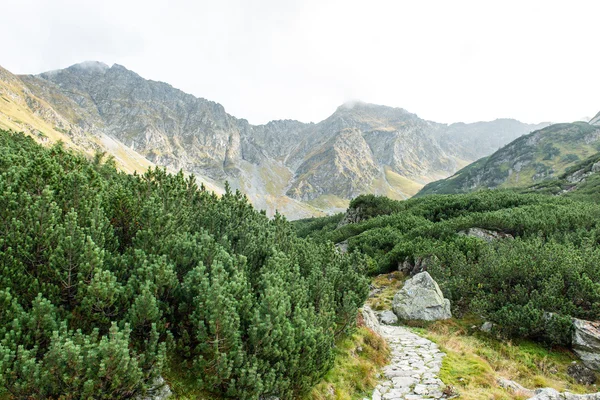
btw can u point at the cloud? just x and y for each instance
(266, 59)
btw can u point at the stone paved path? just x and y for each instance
(413, 371)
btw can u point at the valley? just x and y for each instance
(300, 169)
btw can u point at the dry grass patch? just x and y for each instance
(475, 360)
(388, 284)
(358, 360)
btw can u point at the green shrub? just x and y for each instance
(107, 278)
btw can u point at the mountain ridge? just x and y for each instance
(302, 169)
(539, 156)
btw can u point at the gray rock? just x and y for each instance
(388, 317)
(514, 387)
(342, 247)
(352, 216)
(485, 234)
(420, 264)
(586, 342)
(159, 390)
(487, 326)
(596, 167)
(581, 374)
(543, 394)
(421, 299)
(552, 394)
(370, 318)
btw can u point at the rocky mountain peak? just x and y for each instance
(595, 120)
(297, 168)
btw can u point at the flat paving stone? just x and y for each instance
(412, 372)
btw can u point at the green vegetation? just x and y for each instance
(109, 280)
(358, 360)
(527, 160)
(551, 265)
(475, 360)
(586, 188)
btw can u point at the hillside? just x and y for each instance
(580, 181)
(541, 155)
(301, 169)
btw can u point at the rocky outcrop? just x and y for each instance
(352, 216)
(552, 394)
(159, 390)
(586, 342)
(370, 318)
(514, 387)
(420, 264)
(543, 394)
(485, 234)
(581, 374)
(421, 299)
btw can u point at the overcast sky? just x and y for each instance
(446, 60)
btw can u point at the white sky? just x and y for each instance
(447, 60)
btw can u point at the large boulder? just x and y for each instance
(421, 299)
(586, 342)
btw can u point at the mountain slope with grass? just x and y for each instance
(300, 169)
(541, 155)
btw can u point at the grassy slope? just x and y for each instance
(357, 364)
(544, 153)
(588, 189)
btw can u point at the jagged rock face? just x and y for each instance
(581, 374)
(344, 168)
(164, 124)
(586, 342)
(360, 148)
(595, 120)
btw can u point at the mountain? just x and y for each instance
(580, 181)
(301, 169)
(595, 120)
(538, 156)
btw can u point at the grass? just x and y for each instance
(399, 182)
(476, 359)
(327, 201)
(388, 284)
(183, 386)
(358, 360)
